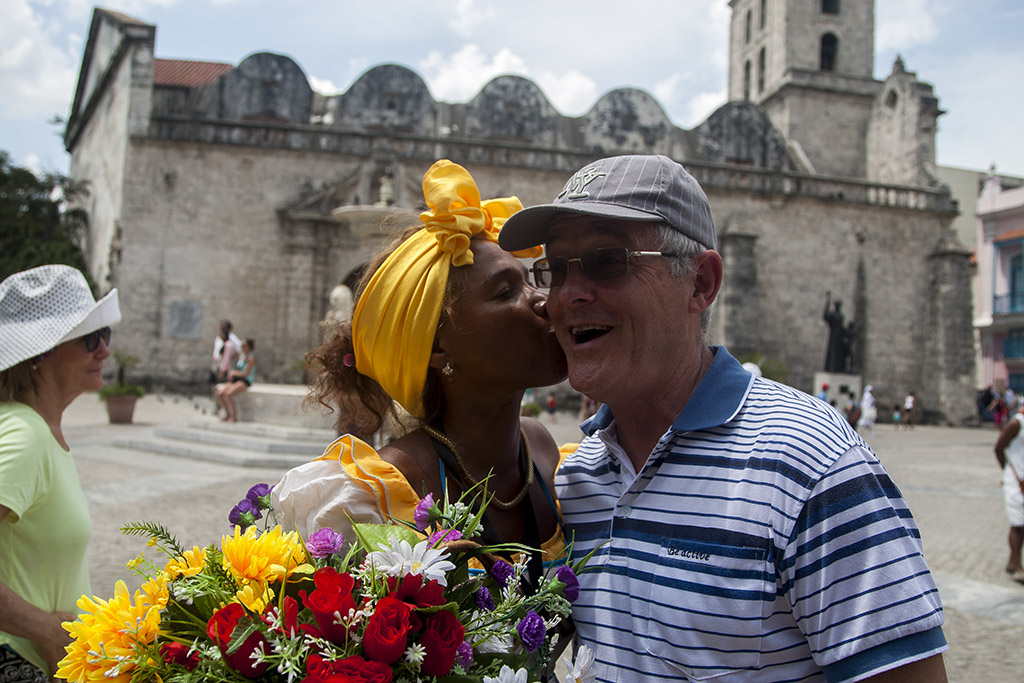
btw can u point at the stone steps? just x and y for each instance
(248, 444)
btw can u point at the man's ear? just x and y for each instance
(707, 279)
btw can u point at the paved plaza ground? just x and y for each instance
(949, 477)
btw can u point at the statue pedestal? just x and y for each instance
(839, 384)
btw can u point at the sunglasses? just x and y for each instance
(607, 263)
(92, 340)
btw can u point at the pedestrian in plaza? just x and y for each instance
(740, 529)
(226, 347)
(53, 340)
(1010, 456)
(897, 416)
(446, 325)
(909, 410)
(868, 411)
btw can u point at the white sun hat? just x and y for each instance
(46, 306)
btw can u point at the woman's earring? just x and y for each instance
(447, 370)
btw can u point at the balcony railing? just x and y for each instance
(1013, 347)
(1003, 304)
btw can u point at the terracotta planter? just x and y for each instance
(120, 409)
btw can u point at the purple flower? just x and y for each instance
(244, 514)
(566, 575)
(259, 494)
(502, 571)
(464, 654)
(422, 516)
(444, 535)
(325, 542)
(531, 631)
(482, 598)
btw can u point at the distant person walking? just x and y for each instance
(1010, 456)
(868, 411)
(909, 411)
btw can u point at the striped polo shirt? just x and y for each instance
(761, 541)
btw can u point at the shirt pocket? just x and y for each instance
(706, 606)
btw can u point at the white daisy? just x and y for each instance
(431, 563)
(582, 670)
(507, 675)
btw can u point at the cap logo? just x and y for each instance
(576, 187)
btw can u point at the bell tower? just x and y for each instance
(810, 64)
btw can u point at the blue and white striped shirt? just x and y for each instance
(761, 541)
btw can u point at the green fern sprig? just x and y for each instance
(156, 531)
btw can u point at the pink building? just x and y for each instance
(999, 291)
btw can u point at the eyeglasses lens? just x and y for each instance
(92, 340)
(599, 264)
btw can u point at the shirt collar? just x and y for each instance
(715, 402)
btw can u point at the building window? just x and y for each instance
(830, 6)
(746, 80)
(747, 30)
(764, 13)
(1013, 347)
(760, 71)
(1016, 382)
(829, 48)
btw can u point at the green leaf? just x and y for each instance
(373, 536)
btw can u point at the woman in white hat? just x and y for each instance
(53, 340)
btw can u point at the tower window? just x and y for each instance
(764, 12)
(747, 30)
(746, 80)
(760, 70)
(892, 99)
(829, 48)
(830, 6)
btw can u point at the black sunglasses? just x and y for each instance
(92, 340)
(607, 263)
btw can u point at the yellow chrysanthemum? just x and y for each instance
(190, 563)
(255, 596)
(262, 557)
(107, 634)
(155, 593)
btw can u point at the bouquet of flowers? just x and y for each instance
(415, 601)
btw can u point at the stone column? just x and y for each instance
(737, 300)
(949, 342)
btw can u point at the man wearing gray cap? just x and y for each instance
(741, 530)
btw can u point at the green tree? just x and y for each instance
(37, 225)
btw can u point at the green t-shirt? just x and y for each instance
(43, 539)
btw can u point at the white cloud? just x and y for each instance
(701, 106)
(459, 76)
(323, 86)
(37, 76)
(903, 24)
(572, 93)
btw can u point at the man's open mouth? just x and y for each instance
(581, 334)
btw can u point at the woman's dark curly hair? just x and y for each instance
(363, 404)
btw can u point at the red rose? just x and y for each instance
(441, 637)
(387, 630)
(220, 628)
(352, 669)
(178, 653)
(333, 593)
(414, 591)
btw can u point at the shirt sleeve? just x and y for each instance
(22, 466)
(854, 572)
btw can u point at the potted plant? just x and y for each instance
(121, 397)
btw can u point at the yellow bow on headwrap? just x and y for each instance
(395, 321)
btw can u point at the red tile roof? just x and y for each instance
(1009, 236)
(187, 73)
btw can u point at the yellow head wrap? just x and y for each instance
(395, 321)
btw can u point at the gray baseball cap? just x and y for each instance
(636, 187)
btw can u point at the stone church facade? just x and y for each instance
(236, 191)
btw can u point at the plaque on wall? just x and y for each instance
(184, 319)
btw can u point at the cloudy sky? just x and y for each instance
(970, 50)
